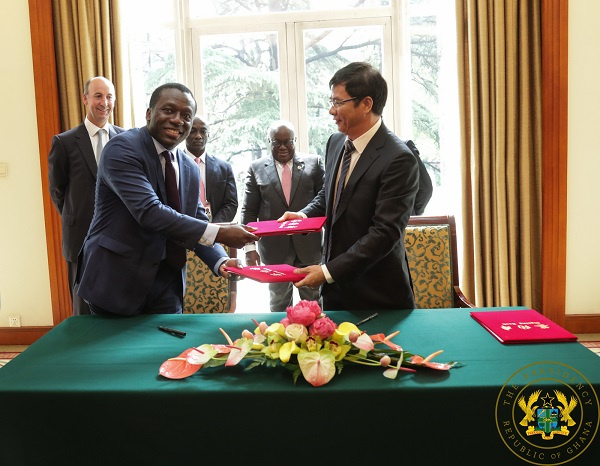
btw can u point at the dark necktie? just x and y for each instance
(176, 255)
(348, 149)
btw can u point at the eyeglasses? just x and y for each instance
(287, 143)
(339, 103)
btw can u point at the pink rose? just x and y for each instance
(323, 327)
(305, 312)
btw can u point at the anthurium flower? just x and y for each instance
(296, 332)
(179, 367)
(364, 342)
(261, 328)
(318, 367)
(419, 361)
(381, 338)
(287, 349)
(203, 354)
(236, 355)
(222, 349)
(322, 327)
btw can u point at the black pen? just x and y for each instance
(172, 331)
(366, 319)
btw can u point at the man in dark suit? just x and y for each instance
(365, 264)
(147, 214)
(265, 199)
(218, 183)
(425, 185)
(72, 168)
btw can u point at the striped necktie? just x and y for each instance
(348, 149)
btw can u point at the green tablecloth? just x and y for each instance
(88, 392)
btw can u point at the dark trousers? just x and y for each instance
(80, 307)
(165, 296)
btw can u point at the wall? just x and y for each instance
(583, 192)
(24, 282)
(24, 279)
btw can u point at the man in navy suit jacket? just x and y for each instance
(123, 266)
(217, 175)
(72, 168)
(365, 264)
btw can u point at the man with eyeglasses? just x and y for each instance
(285, 180)
(218, 191)
(371, 181)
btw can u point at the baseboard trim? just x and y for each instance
(582, 323)
(21, 335)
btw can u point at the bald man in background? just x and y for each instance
(72, 167)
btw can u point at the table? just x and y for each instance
(89, 392)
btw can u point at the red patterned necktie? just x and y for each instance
(202, 187)
(176, 255)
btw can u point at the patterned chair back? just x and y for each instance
(205, 293)
(432, 260)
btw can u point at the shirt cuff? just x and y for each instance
(250, 247)
(218, 264)
(210, 234)
(328, 276)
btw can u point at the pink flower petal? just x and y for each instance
(179, 367)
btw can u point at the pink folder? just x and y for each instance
(522, 326)
(289, 227)
(269, 273)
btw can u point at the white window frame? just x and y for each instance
(290, 27)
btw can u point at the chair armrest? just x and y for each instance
(460, 300)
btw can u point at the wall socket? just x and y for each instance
(14, 321)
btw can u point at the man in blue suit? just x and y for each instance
(131, 260)
(72, 169)
(219, 189)
(368, 197)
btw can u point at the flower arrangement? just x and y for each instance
(306, 342)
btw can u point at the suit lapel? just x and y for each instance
(297, 172)
(337, 149)
(155, 175)
(87, 151)
(366, 159)
(271, 170)
(210, 175)
(184, 178)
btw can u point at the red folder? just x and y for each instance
(289, 227)
(269, 273)
(522, 326)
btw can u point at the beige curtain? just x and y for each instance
(499, 50)
(88, 43)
